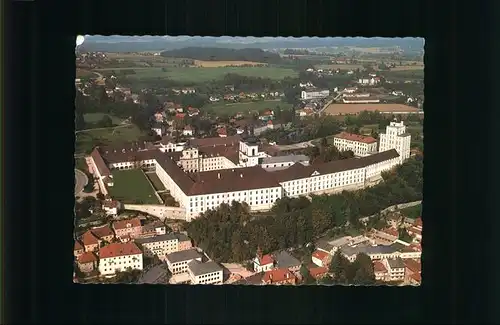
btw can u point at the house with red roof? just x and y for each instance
(266, 115)
(78, 249)
(380, 270)
(111, 207)
(413, 271)
(90, 241)
(279, 277)
(222, 132)
(188, 130)
(131, 228)
(103, 233)
(119, 257)
(262, 263)
(87, 262)
(318, 272)
(321, 258)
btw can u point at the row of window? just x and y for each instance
(117, 269)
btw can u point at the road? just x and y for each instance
(301, 145)
(81, 181)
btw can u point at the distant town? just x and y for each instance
(249, 166)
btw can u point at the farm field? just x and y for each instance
(81, 73)
(155, 180)
(200, 75)
(405, 74)
(343, 109)
(217, 64)
(96, 117)
(408, 68)
(132, 186)
(339, 66)
(86, 140)
(244, 107)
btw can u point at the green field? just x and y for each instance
(86, 140)
(245, 107)
(155, 180)
(199, 75)
(413, 212)
(96, 117)
(132, 186)
(405, 74)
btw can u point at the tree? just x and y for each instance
(339, 267)
(362, 270)
(79, 120)
(404, 235)
(326, 280)
(306, 275)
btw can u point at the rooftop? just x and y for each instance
(379, 267)
(413, 265)
(317, 271)
(186, 255)
(282, 159)
(129, 223)
(155, 239)
(319, 254)
(396, 263)
(119, 249)
(355, 137)
(277, 275)
(87, 257)
(285, 260)
(199, 268)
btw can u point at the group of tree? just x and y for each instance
(231, 233)
(224, 54)
(326, 152)
(359, 272)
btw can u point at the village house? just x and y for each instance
(395, 269)
(193, 111)
(127, 228)
(111, 207)
(87, 262)
(188, 130)
(266, 115)
(90, 241)
(103, 233)
(262, 263)
(279, 277)
(155, 228)
(321, 259)
(413, 270)
(119, 257)
(222, 132)
(318, 272)
(379, 270)
(78, 249)
(177, 262)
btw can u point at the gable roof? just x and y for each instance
(87, 257)
(78, 246)
(119, 249)
(128, 223)
(88, 238)
(277, 275)
(199, 268)
(99, 162)
(285, 260)
(103, 231)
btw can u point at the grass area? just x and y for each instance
(339, 66)
(155, 180)
(413, 212)
(367, 129)
(245, 107)
(199, 75)
(405, 74)
(81, 164)
(86, 140)
(81, 73)
(96, 117)
(132, 186)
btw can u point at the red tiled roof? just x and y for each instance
(180, 115)
(122, 224)
(216, 141)
(87, 257)
(355, 137)
(319, 255)
(188, 128)
(418, 222)
(78, 246)
(379, 267)
(266, 259)
(119, 249)
(413, 265)
(277, 275)
(318, 271)
(415, 230)
(88, 238)
(222, 131)
(103, 231)
(391, 231)
(110, 204)
(99, 162)
(416, 247)
(417, 277)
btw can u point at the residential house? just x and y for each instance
(284, 260)
(416, 229)
(188, 130)
(118, 257)
(177, 262)
(384, 237)
(153, 229)
(158, 128)
(321, 258)
(222, 132)
(103, 233)
(266, 115)
(158, 116)
(281, 276)
(87, 262)
(78, 249)
(380, 271)
(413, 270)
(262, 263)
(205, 273)
(184, 241)
(193, 111)
(90, 241)
(111, 207)
(229, 87)
(395, 269)
(188, 91)
(162, 245)
(127, 228)
(214, 99)
(318, 272)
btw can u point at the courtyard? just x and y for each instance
(132, 187)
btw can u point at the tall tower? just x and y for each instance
(395, 137)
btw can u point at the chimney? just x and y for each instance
(218, 175)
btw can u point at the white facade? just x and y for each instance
(368, 81)
(158, 131)
(111, 265)
(358, 147)
(207, 278)
(249, 154)
(395, 137)
(314, 94)
(159, 246)
(181, 266)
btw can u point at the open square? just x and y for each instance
(132, 186)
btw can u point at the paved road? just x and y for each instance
(81, 181)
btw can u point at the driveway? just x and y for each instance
(81, 181)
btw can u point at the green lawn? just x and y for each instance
(245, 107)
(86, 140)
(155, 180)
(132, 186)
(200, 75)
(96, 117)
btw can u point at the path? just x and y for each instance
(81, 180)
(301, 145)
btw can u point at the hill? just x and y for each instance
(224, 54)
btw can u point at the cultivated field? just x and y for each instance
(131, 186)
(86, 140)
(217, 64)
(339, 66)
(201, 75)
(408, 67)
(344, 109)
(96, 117)
(244, 107)
(81, 73)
